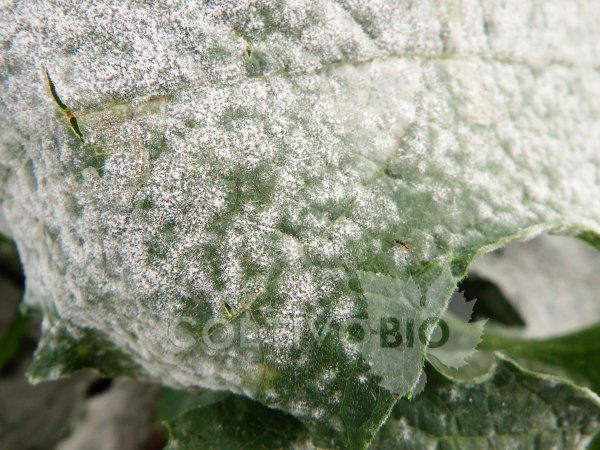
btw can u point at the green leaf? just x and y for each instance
(173, 402)
(574, 355)
(478, 415)
(60, 354)
(254, 165)
(511, 409)
(571, 356)
(10, 340)
(235, 423)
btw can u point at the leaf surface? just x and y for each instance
(573, 355)
(236, 423)
(479, 415)
(511, 409)
(192, 173)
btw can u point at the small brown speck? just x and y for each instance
(402, 243)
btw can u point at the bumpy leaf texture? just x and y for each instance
(481, 415)
(449, 415)
(173, 165)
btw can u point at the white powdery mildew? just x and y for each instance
(241, 149)
(305, 297)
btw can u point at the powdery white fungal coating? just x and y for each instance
(245, 159)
